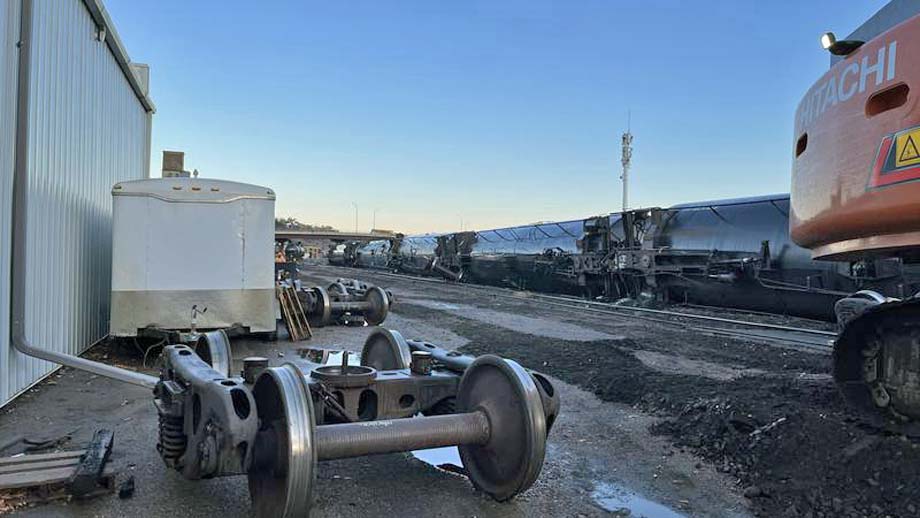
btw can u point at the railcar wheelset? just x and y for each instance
(500, 428)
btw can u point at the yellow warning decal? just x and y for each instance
(907, 148)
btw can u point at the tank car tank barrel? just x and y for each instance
(339, 441)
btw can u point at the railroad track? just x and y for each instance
(721, 326)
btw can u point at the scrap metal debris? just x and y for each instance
(126, 488)
(85, 478)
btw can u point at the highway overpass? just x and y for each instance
(304, 235)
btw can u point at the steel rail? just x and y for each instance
(739, 333)
(733, 321)
(577, 305)
(608, 307)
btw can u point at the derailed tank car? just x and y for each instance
(342, 254)
(415, 254)
(452, 255)
(732, 253)
(537, 257)
(738, 253)
(375, 254)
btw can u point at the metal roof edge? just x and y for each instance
(732, 201)
(99, 14)
(192, 189)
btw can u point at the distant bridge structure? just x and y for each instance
(292, 235)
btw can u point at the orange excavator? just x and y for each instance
(856, 198)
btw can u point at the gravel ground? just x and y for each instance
(655, 420)
(768, 417)
(601, 456)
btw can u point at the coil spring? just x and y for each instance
(172, 440)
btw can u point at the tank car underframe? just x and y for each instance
(626, 272)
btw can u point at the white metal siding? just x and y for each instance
(232, 250)
(9, 65)
(88, 131)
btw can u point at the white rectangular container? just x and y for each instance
(179, 242)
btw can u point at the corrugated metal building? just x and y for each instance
(75, 116)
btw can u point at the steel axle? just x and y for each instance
(271, 424)
(340, 441)
(322, 309)
(500, 430)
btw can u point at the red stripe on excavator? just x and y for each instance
(881, 178)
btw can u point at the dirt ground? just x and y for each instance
(655, 422)
(768, 417)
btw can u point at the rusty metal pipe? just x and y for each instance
(339, 441)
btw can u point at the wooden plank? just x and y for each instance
(292, 303)
(285, 313)
(41, 457)
(40, 477)
(35, 466)
(292, 319)
(35, 478)
(301, 316)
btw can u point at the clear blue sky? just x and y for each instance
(498, 113)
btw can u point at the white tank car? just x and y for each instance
(184, 242)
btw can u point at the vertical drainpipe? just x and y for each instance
(18, 337)
(149, 144)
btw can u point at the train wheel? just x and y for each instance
(324, 311)
(338, 290)
(511, 461)
(386, 349)
(379, 306)
(283, 470)
(214, 348)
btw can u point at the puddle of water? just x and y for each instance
(438, 457)
(624, 502)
